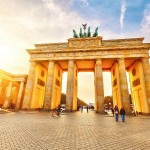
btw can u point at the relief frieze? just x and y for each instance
(87, 54)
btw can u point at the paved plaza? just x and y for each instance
(33, 130)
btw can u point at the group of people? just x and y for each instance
(116, 112)
(87, 108)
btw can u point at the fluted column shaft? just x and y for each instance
(20, 95)
(70, 85)
(29, 86)
(7, 99)
(146, 72)
(99, 91)
(49, 85)
(123, 85)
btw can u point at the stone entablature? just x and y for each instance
(51, 46)
(6, 75)
(91, 48)
(12, 77)
(89, 55)
(141, 47)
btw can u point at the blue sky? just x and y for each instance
(24, 23)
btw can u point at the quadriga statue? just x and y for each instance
(75, 34)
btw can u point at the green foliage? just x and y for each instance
(63, 98)
(109, 101)
(79, 101)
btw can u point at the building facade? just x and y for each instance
(12, 88)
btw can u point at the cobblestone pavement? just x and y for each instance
(31, 130)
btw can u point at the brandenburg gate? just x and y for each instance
(89, 54)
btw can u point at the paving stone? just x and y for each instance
(27, 130)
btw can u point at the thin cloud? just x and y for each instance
(146, 21)
(122, 15)
(85, 2)
(145, 24)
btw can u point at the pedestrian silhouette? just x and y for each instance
(81, 108)
(122, 113)
(87, 108)
(116, 111)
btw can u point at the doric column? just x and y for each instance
(70, 86)
(99, 91)
(29, 86)
(20, 95)
(146, 72)
(123, 85)
(7, 99)
(49, 85)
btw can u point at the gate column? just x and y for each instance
(49, 85)
(99, 91)
(70, 97)
(7, 99)
(20, 94)
(29, 86)
(146, 73)
(123, 85)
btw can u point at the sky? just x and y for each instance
(24, 23)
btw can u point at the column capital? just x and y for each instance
(120, 59)
(51, 64)
(99, 62)
(51, 61)
(71, 60)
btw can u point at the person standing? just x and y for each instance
(81, 108)
(112, 110)
(116, 111)
(122, 113)
(87, 108)
(58, 109)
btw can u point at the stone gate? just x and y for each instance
(118, 56)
